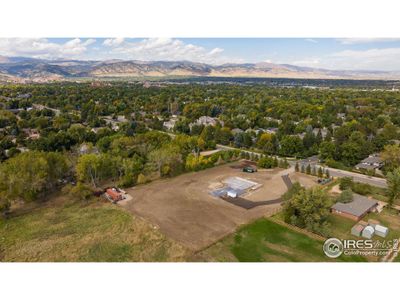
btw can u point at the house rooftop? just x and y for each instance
(358, 207)
(372, 160)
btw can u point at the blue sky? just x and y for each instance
(330, 53)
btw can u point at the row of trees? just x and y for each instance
(312, 170)
(125, 160)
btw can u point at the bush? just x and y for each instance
(81, 192)
(141, 179)
(346, 196)
(266, 162)
(346, 183)
(127, 180)
(361, 188)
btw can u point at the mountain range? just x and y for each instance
(22, 69)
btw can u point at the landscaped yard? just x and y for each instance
(64, 230)
(267, 241)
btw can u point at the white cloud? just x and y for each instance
(311, 41)
(386, 59)
(371, 59)
(354, 41)
(308, 62)
(43, 48)
(164, 49)
(113, 42)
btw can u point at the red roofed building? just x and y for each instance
(114, 195)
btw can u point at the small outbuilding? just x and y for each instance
(357, 230)
(232, 193)
(114, 194)
(368, 232)
(381, 231)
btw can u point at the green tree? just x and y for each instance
(81, 192)
(346, 196)
(308, 209)
(327, 174)
(167, 160)
(327, 150)
(291, 146)
(320, 172)
(93, 168)
(391, 156)
(346, 183)
(313, 171)
(393, 182)
(308, 169)
(266, 162)
(25, 175)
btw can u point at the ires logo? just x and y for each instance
(359, 244)
(334, 247)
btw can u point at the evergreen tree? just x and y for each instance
(308, 169)
(328, 175)
(285, 163)
(320, 172)
(276, 162)
(314, 171)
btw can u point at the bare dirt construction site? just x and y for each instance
(184, 209)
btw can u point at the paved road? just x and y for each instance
(375, 181)
(357, 177)
(232, 148)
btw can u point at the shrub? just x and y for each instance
(346, 196)
(141, 179)
(266, 162)
(346, 183)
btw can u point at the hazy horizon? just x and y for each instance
(363, 54)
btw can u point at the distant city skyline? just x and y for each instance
(328, 53)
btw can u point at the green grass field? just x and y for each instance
(63, 230)
(267, 241)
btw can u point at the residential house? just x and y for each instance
(372, 162)
(206, 121)
(115, 123)
(32, 134)
(170, 125)
(271, 130)
(236, 131)
(324, 132)
(356, 209)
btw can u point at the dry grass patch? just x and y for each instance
(65, 230)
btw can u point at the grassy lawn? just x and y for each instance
(267, 241)
(390, 219)
(63, 230)
(341, 227)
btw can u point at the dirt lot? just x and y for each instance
(184, 210)
(305, 180)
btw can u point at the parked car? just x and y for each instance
(249, 169)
